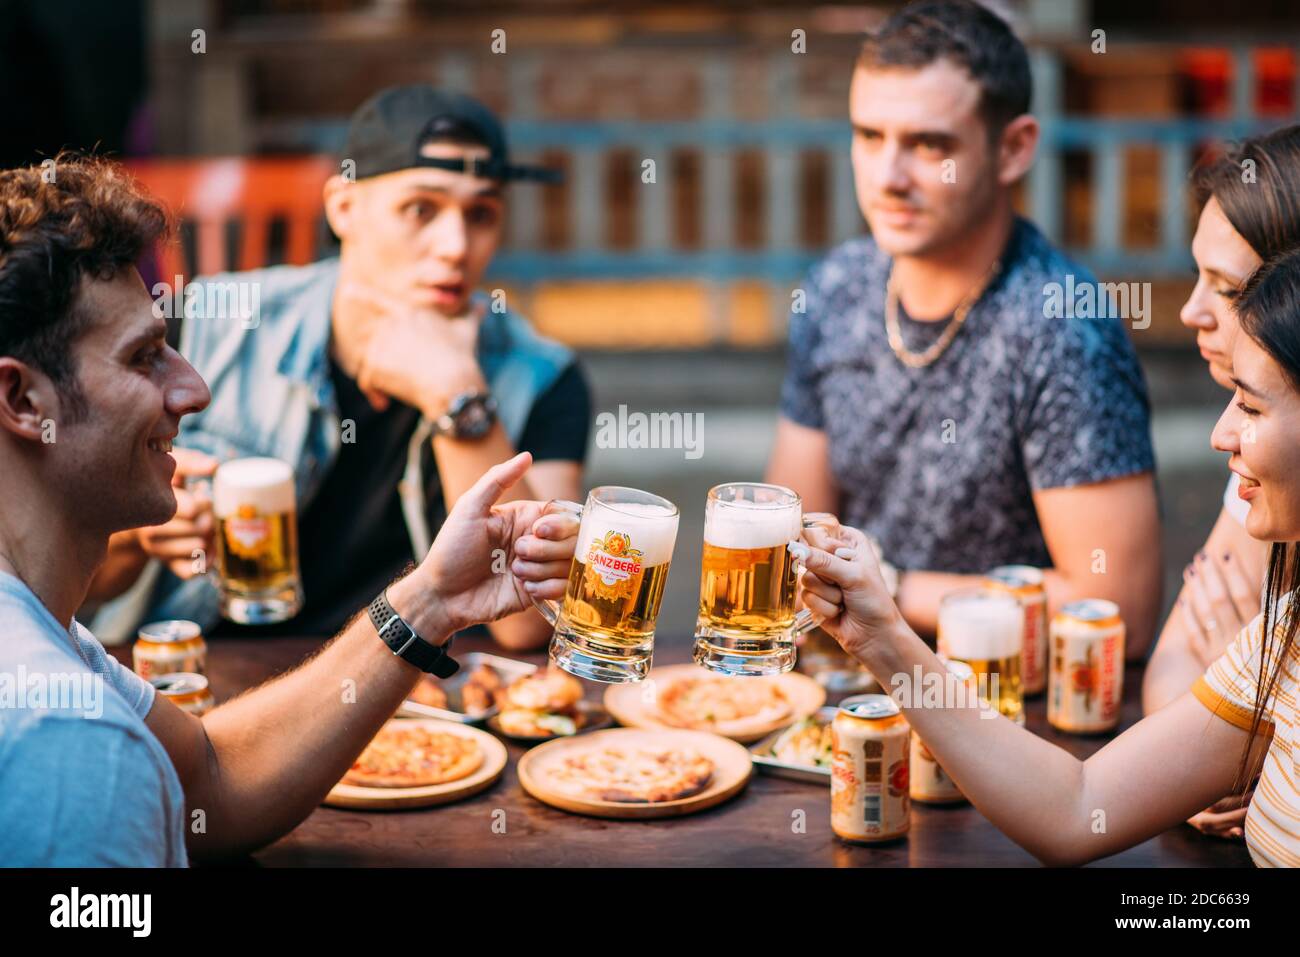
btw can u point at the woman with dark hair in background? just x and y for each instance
(1250, 212)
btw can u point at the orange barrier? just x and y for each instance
(254, 192)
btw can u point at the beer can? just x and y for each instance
(1087, 673)
(1026, 583)
(869, 799)
(165, 647)
(188, 691)
(928, 782)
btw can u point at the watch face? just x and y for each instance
(474, 422)
(472, 416)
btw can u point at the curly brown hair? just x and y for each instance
(73, 217)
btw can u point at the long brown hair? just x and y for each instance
(1257, 185)
(1269, 307)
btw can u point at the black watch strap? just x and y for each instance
(406, 644)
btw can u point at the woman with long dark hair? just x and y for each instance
(1238, 720)
(1249, 197)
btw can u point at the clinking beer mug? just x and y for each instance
(254, 504)
(748, 623)
(605, 627)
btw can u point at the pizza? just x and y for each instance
(409, 755)
(636, 775)
(726, 706)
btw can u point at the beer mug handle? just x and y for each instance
(201, 487)
(804, 620)
(550, 608)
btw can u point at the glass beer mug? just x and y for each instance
(605, 627)
(255, 507)
(984, 627)
(747, 623)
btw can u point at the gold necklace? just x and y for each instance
(919, 360)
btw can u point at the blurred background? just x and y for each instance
(676, 291)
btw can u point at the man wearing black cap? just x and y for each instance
(380, 376)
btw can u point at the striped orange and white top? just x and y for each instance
(1228, 689)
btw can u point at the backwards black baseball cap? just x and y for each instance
(388, 131)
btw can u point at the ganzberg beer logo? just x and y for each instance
(613, 565)
(247, 532)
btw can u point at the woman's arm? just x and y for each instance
(1062, 810)
(1185, 648)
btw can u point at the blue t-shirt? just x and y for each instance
(940, 463)
(83, 781)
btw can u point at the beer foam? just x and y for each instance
(651, 528)
(981, 627)
(265, 484)
(731, 526)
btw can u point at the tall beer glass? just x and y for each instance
(747, 622)
(605, 628)
(254, 504)
(984, 627)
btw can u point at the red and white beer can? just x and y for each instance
(1086, 683)
(869, 770)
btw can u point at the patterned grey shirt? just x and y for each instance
(939, 463)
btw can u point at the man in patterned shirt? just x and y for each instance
(932, 398)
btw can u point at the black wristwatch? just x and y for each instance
(406, 644)
(469, 416)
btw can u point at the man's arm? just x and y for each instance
(123, 563)
(557, 429)
(462, 461)
(176, 542)
(1184, 650)
(257, 765)
(1104, 540)
(801, 461)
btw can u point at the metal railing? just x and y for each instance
(717, 138)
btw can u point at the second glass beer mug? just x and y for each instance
(984, 627)
(605, 628)
(254, 504)
(747, 622)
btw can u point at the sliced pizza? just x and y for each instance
(412, 756)
(631, 775)
(726, 706)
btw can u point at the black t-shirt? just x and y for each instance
(352, 538)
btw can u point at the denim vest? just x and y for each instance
(272, 396)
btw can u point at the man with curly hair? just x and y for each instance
(95, 768)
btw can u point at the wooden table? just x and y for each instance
(758, 828)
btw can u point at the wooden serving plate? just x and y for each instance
(732, 769)
(396, 799)
(629, 705)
